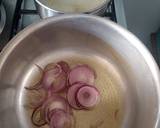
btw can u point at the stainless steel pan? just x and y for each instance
(98, 39)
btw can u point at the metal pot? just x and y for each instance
(90, 36)
(45, 11)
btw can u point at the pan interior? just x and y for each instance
(109, 82)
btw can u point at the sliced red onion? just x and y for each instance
(54, 109)
(82, 73)
(54, 78)
(61, 119)
(88, 96)
(38, 119)
(37, 86)
(71, 95)
(64, 65)
(60, 82)
(36, 98)
(51, 113)
(50, 76)
(55, 102)
(49, 93)
(52, 66)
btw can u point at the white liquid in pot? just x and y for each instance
(73, 5)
